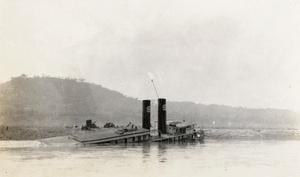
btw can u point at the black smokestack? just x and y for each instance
(162, 115)
(146, 114)
(89, 123)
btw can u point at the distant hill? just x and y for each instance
(226, 116)
(56, 101)
(49, 101)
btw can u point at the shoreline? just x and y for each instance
(248, 134)
(31, 132)
(38, 133)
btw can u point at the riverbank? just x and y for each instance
(252, 134)
(31, 133)
(37, 133)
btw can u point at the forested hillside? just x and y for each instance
(49, 101)
(226, 116)
(56, 101)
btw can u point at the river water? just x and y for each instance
(220, 158)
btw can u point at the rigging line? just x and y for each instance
(154, 88)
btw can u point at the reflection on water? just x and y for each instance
(212, 158)
(146, 152)
(162, 149)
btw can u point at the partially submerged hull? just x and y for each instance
(166, 130)
(117, 136)
(112, 135)
(175, 138)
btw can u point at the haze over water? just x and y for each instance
(270, 158)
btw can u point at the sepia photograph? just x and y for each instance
(139, 88)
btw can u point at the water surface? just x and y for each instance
(213, 158)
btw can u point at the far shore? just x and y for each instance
(240, 134)
(31, 132)
(40, 132)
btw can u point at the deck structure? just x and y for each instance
(112, 135)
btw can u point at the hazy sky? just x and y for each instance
(237, 53)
